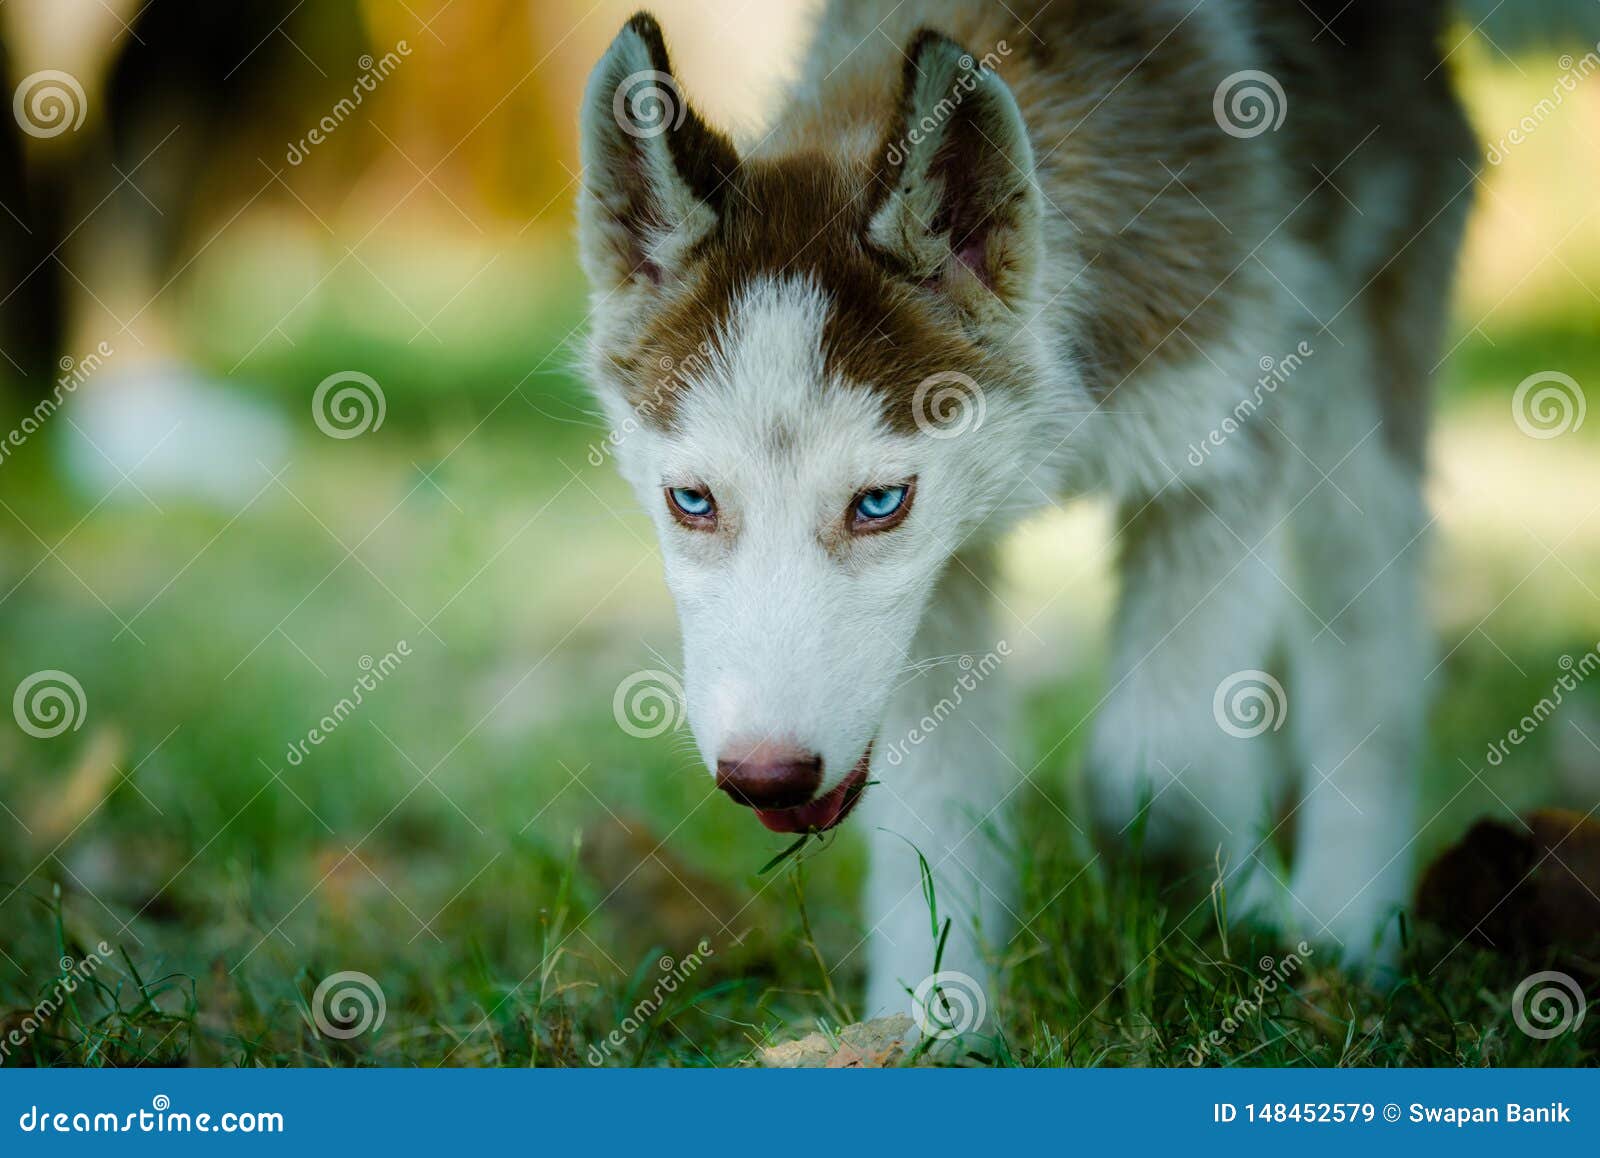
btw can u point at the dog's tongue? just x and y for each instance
(825, 811)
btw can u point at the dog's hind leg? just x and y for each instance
(945, 773)
(1357, 715)
(1360, 662)
(1360, 667)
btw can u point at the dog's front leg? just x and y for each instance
(944, 773)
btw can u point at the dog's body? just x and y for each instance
(1062, 213)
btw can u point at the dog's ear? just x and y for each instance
(960, 208)
(654, 174)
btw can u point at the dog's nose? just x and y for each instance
(770, 776)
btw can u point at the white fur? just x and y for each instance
(783, 640)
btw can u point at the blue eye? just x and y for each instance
(882, 503)
(696, 504)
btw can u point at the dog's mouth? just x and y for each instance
(825, 811)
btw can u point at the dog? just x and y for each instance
(1193, 256)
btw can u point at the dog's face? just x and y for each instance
(820, 379)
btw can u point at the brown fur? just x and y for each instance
(1111, 94)
(1155, 216)
(1118, 96)
(1371, 93)
(802, 215)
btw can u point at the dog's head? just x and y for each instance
(821, 380)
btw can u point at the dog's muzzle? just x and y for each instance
(780, 784)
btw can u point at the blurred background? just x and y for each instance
(290, 309)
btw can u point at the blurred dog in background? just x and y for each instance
(133, 122)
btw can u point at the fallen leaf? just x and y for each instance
(89, 781)
(877, 1044)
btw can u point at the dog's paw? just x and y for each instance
(1360, 926)
(1255, 896)
(1128, 777)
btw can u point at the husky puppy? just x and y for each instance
(1194, 256)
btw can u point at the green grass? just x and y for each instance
(432, 842)
(1569, 343)
(1120, 969)
(447, 869)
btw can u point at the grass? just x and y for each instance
(1123, 972)
(433, 843)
